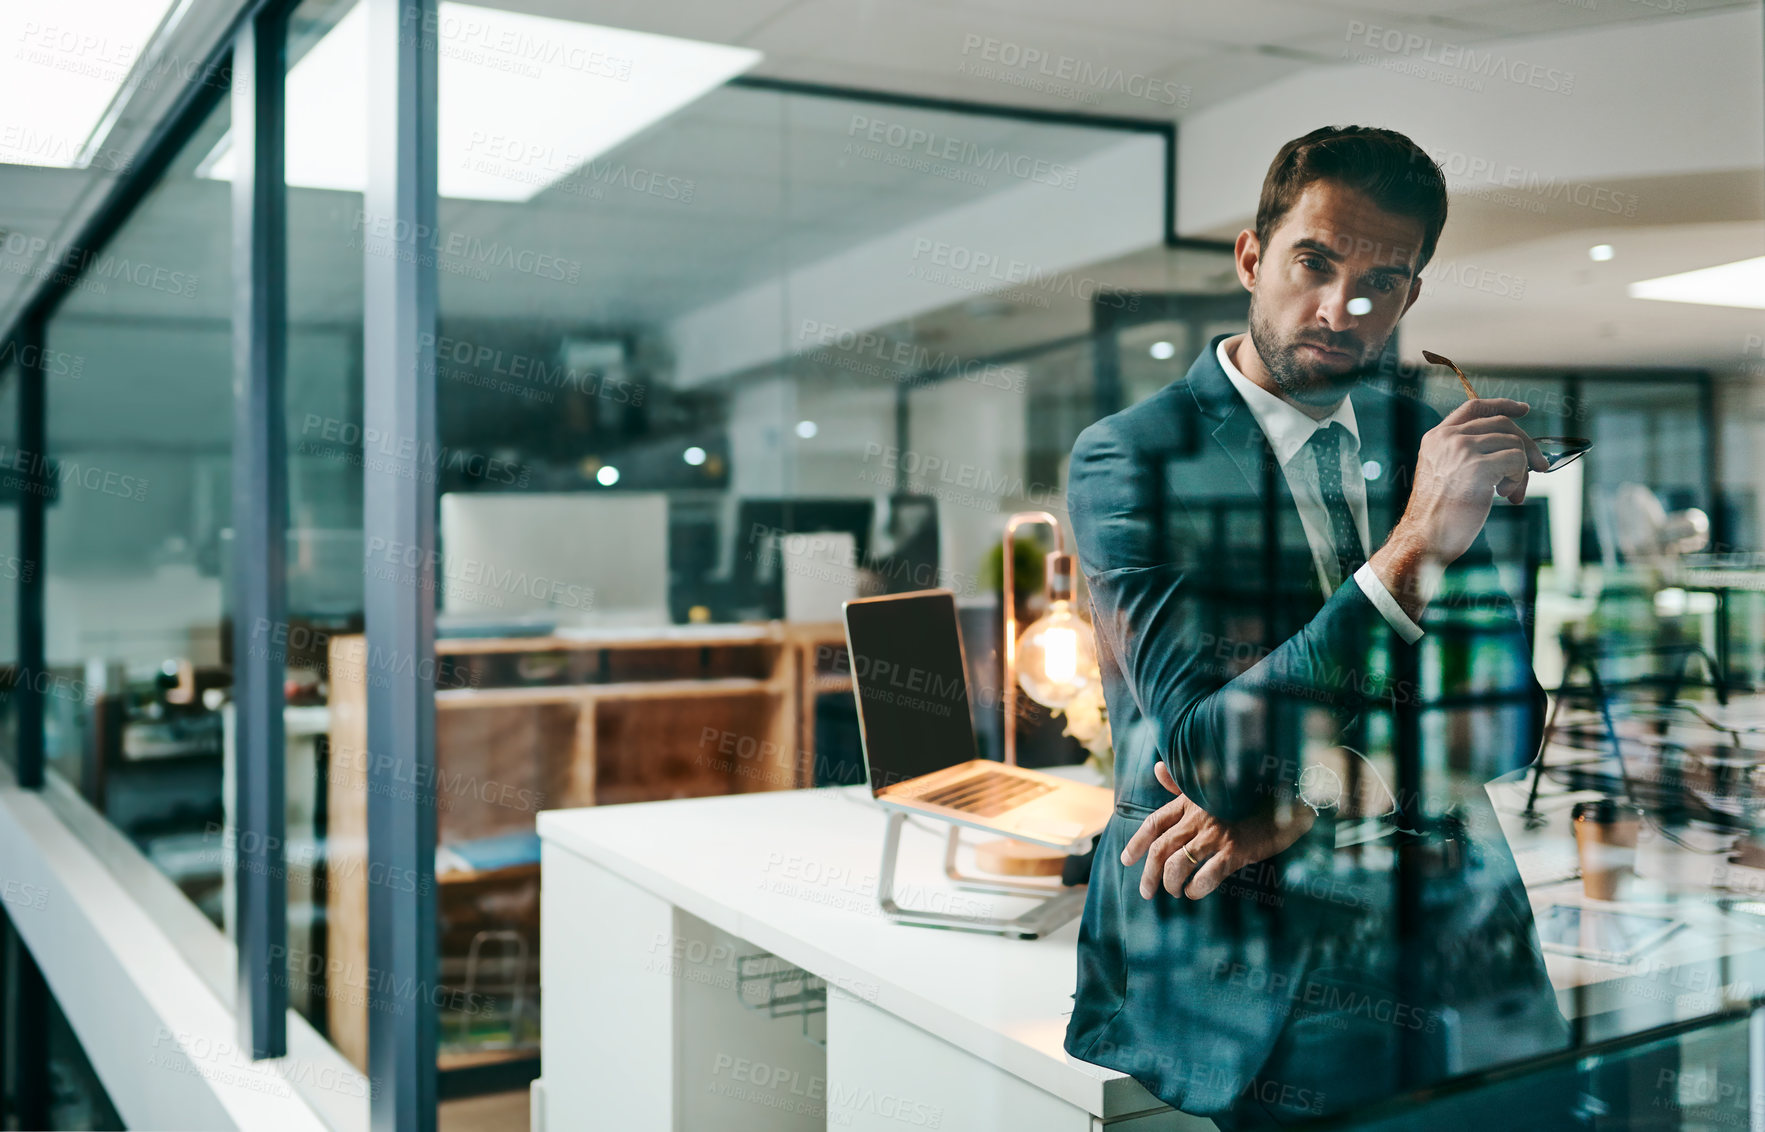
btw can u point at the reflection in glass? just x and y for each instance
(14, 566)
(697, 385)
(138, 528)
(325, 453)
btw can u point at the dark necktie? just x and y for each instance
(1326, 444)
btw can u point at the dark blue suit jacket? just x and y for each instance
(1291, 991)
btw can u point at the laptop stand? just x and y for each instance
(1061, 904)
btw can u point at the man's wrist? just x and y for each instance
(1297, 826)
(1407, 570)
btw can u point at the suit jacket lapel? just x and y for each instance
(1234, 426)
(1292, 591)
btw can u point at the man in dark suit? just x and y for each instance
(1263, 542)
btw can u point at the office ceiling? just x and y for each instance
(765, 184)
(775, 186)
(1211, 50)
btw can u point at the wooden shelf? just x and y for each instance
(480, 876)
(474, 1059)
(724, 636)
(657, 714)
(812, 643)
(456, 698)
(814, 630)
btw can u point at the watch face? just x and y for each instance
(1319, 786)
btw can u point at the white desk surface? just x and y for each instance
(1680, 978)
(795, 872)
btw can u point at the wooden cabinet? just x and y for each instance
(531, 723)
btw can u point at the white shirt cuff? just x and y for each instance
(1387, 605)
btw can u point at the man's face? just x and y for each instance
(1333, 247)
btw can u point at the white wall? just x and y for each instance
(140, 619)
(1665, 97)
(967, 445)
(1115, 207)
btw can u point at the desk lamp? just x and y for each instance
(1054, 659)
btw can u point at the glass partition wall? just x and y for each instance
(325, 166)
(714, 352)
(138, 524)
(701, 375)
(705, 364)
(10, 492)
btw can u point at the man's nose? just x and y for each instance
(1333, 308)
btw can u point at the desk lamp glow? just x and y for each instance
(1054, 659)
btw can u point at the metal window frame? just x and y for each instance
(33, 505)
(398, 504)
(400, 300)
(250, 49)
(259, 521)
(1165, 128)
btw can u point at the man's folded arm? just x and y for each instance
(1148, 578)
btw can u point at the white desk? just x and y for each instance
(646, 908)
(1716, 958)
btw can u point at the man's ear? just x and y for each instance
(1247, 258)
(1415, 293)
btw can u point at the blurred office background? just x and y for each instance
(746, 308)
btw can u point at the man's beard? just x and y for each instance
(1300, 378)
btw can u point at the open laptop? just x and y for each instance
(911, 683)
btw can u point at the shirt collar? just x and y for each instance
(1287, 427)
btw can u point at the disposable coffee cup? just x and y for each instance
(1605, 840)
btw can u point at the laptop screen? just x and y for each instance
(911, 686)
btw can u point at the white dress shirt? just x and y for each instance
(1289, 430)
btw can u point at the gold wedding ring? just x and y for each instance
(1190, 855)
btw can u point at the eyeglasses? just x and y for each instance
(1560, 450)
(1557, 450)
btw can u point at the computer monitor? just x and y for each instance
(759, 567)
(588, 557)
(909, 557)
(911, 685)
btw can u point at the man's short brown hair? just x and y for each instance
(1385, 165)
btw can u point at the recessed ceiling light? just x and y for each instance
(1737, 284)
(65, 64)
(607, 476)
(694, 455)
(1359, 305)
(807, 429)
(501, 135)
(1600, 253)
(1163, 351)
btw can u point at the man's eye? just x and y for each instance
(1383, 284)
(1314, 263)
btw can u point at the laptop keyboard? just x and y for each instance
(986, 793)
